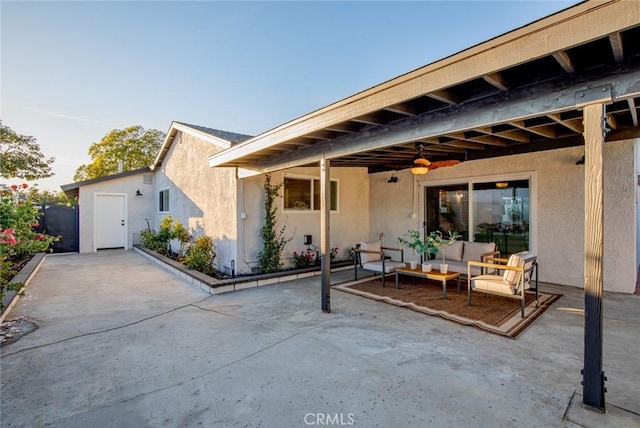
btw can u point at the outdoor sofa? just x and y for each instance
(460, 252)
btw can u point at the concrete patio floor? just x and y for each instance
(123, 343)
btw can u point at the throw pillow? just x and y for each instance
(452, 253)
(511, 277)
(370, 246)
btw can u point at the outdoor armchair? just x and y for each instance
(371, 256)
(520, 271)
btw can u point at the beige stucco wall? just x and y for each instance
(349, 225)
(202, 198)
(138, 207)
(557, 204)
(392, 206)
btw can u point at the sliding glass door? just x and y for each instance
(494, 211)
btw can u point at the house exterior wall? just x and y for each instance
(348, 226)
(138, 207)
(559, 209)
(393, 206)
(203, 199)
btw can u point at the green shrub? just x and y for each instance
(304, 259)
(19, 240)
(160, 241)
(200, 255)
(151, 240)
(180, 233)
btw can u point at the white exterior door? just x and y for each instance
(110, 221)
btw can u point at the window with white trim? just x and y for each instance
(303, 194)
(163, 200)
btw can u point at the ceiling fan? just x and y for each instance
(421, 165)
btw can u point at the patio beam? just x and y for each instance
(593, 376)
(545, 99)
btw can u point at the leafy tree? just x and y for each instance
(38, 196)
(135, 146)
(20, 156)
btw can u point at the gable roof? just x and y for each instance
(72, 190)
(233, 137)
(218, 137)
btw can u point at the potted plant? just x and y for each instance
(436, 241)
(412, 239)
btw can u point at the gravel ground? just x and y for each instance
(13, 329)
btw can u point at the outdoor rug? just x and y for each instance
(495, 314)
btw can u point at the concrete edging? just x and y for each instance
(24, 276)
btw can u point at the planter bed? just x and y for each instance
(216, 286)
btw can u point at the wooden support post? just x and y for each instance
(325, 209)
(593, 376)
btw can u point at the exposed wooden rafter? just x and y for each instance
(633, 111)
(443, 96)
(514, 134)
(496, 80)
(370, 119)
(544, 130)
(402, 109)
(523, 105)
(464, 144)
(569, 124)
(489, 140)
(615, 40)
(347, 127)
(562, 57)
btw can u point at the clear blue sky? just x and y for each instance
(73, 71)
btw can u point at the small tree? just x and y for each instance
(273, 241)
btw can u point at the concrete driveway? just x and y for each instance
(123, 343)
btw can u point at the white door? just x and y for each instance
(110, 221)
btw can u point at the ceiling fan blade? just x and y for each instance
(443, 163)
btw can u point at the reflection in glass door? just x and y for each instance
(447, 209)
(501, 214)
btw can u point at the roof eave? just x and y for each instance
(534, 40)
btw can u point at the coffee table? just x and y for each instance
(433, 275)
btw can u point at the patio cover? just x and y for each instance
(572, 78)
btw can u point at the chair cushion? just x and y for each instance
(529, 259)
(452, 252)
(492, 283)
(474, 250)
(370, 246)
(511, 277)
(389, 266)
